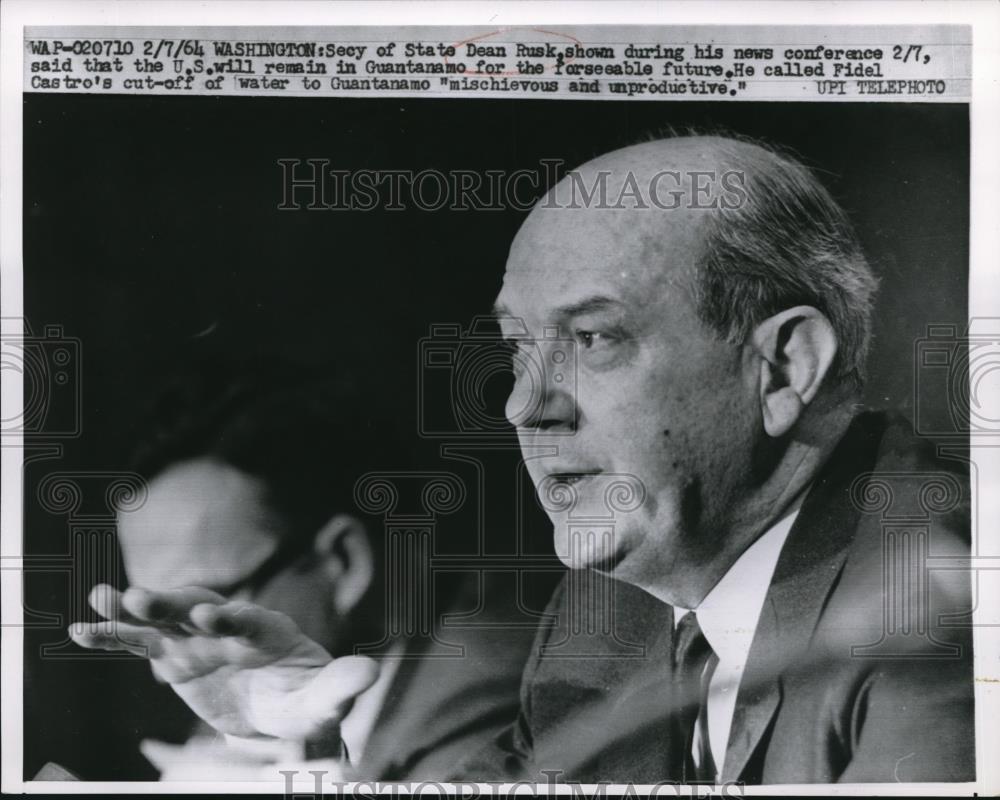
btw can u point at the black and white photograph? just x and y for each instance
(503, 406)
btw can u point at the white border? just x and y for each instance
(984, 274)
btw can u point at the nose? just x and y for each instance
(543, 398)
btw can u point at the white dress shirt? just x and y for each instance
(728, 617)
(360, 720)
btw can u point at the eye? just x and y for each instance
(591, 339)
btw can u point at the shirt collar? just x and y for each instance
(728, 615)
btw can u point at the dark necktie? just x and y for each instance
(694, 662)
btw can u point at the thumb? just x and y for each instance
(161, 755)
(332, 692)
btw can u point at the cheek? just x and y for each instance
(712, 458)
(673, 430)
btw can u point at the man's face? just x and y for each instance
(657, 396)
(206, 523)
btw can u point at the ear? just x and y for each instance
(796, 349)
(345, 553)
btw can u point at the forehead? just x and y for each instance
(203, 523)
(618, 242)
(639, 257)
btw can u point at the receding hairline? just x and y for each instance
(713, 149)
(644, 160)
(685, 154)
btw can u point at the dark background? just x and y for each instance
(151, 220)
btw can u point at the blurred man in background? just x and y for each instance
(251, 471)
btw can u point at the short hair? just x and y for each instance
(789, 243)
(308, 436)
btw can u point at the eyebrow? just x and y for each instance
(587, 305)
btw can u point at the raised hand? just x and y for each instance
(245, 670)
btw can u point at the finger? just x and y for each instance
(269, 630)
(106, 601)
(200, 749)
(116, 636)
(169, 606)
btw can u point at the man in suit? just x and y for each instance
(690, 319)
(721, 335)
(251, 469)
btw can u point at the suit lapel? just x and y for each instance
(599, 698)
(642, 708)
(807, 570)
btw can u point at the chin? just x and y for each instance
(589, 548)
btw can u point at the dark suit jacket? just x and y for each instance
(861, 664)
(439, 710)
